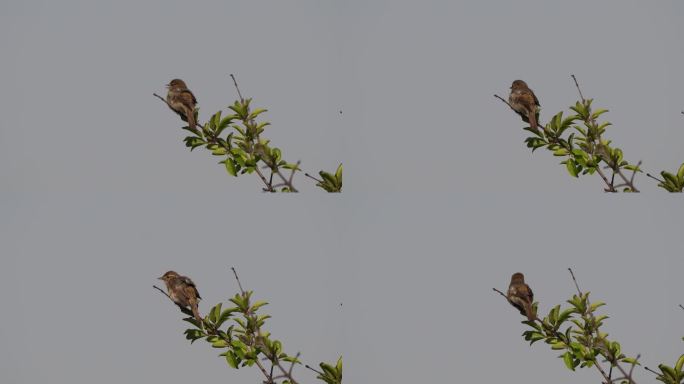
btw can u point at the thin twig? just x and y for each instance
(163, 99)
(313, 369)
(294, 170)
(655, 178)
(311, 177)
(652, 371)
(237, 88)
(269, 187)
(500, 293)
(514, 110)
(636, 361)
(631, 179)
(681, 306)
(238, 280)
(270, 375)
(610, 374)
(578, 88)
(182, 308)
(628, 182)
(575, 280)
(293, 363)
(610, 188)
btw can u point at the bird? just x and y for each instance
(520, 296)
(525, 102)
(181, 100)
(183, 292)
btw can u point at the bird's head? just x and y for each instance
(176, 83)
(518, 84)
(517, 278)
(168, 275)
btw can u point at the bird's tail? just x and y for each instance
(191, 119)
(195, 311)
(529, 311)
(532, 117)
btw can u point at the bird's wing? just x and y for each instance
(188, 98)
(191, 286)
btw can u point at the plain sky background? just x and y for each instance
(441, 200)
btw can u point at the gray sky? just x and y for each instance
(441, 200)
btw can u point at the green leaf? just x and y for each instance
(570, 165)
(258, 305)
(630, 360)
(679, 365)
(598, 113)
(565, 315)
(225, 315)
(338, 366)
(219, 343)
(219, 151)
(568, 360)
(230, 167)
(232, 359)
(596, 305)
(680, 174)
(558, 346)
(291, 166)
(668, 371)
(223, 124)
(670, 178)
(215, 312)
(193, 142)
(257, 112)
(338, 176)
(193, 334)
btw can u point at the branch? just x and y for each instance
(268, 186)
(313, 369)
(609, 186)
(242, 291)
(237, 88)
(578, 88)
(627, 376)
(311, 177)
(615, 167)
(501, 293)
(654, 178)
(575, 281)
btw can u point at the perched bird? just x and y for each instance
(524, 101)
(182, 101)
(520, 296)
(183, 292)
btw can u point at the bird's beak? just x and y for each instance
(160, 278)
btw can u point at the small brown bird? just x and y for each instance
(182, 101)
(524, 101)
(520, 296)
(183, 292)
